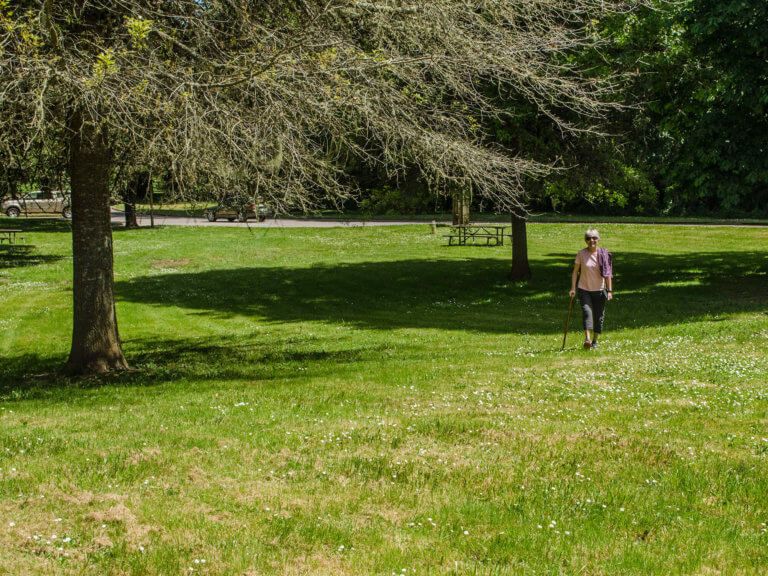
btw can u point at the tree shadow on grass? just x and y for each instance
(24, 255)
(21, 256)
(241, 358)
(466, 295)
(160, 361)
(37, 224)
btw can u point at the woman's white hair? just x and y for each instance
(592, 232)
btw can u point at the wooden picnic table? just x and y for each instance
(9, 236)
(492, 234)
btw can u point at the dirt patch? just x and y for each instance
(211, 514)
(316, 563)
(102, 541)
(170, 263)
(225, 518)
(135, 532)
(143, 455)
(250, 491)
(117, 513)
(84, 497)
(390, 515)
(198, 477)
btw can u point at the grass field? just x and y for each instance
(369, 401)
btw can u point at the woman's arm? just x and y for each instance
(609, 286)
(575, 276)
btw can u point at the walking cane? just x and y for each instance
(567, 322)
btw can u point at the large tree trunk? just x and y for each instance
(95, 341)
(460, 207)
(521, 270)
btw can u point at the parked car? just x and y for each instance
(38, 202)
(238, 209)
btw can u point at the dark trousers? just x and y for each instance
(593, 309)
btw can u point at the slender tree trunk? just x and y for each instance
(129, 205)
(135, 189)
(460, 207)
(521, 270)
(95, 340)
(12, 187)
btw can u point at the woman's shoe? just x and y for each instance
(594, 344)
(587, 344)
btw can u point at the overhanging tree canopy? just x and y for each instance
(269, 96)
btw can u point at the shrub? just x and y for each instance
(392, 201)
(622, 190)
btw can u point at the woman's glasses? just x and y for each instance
(588, 238)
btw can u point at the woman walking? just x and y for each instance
(593, 268)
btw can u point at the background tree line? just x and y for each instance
(690, 136)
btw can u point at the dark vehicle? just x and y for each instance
(38, 202)
(238, 209)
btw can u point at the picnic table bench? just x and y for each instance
(10, 236)
(493, 235)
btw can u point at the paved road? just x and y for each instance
(119, 218)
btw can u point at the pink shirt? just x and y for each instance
(590, 278)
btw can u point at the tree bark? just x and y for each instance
(521, 270)
(460, 207)
(135, 189)
(129, 205)
(96, 344)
